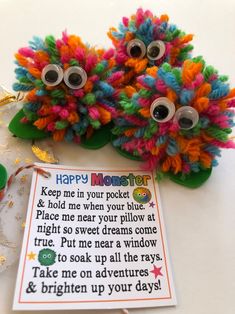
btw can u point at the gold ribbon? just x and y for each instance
(44, 155)
(7, 97)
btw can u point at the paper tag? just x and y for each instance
(94, 239)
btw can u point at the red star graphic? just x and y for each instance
(156, 271)
(151, 204)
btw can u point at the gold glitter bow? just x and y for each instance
(44, 155)
(7, 97)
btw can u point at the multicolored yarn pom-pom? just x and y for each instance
(178, 120)
(145, 40)
(165, 108)
(70, 87)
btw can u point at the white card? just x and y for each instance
(94, 239)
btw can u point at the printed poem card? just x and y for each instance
(94, 239)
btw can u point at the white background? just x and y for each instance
(200, 223)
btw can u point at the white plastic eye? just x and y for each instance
(75, 77)
(156, 50)
(136, 49)
(52, 75)
(187, 117)
(162, 109)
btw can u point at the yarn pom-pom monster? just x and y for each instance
(177, 121)
(144, 40)
(69, 91)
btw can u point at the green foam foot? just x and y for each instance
(192, 180)
(3, 177)
(99, 138)
(23, 130)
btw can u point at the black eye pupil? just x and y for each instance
(160, 112)
(135, 51)
(75, 79)
(51, 76)
(185, 123)
(154, 52)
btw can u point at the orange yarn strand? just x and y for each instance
(35, 72)
(190, 70)
(43, 122)
(138, 65)
(155, 150)
(185, 39)
(129, 90)
(31, 95)
(88, 86)
(203, 90)
(21, 60)
(105, 116)
(152, 71)
(129, 36)
(172, 162)
(73, 117)
(201, 104)
(145, 112)
(205, 159)
(171, 95)
(58, 135)
(164, 18)
(130, 132)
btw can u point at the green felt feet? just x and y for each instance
(3, 177)
(192, 180)
(23, 130)
(99, 138)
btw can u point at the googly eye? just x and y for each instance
(52, 75)
(162, 109)
(187, 117)
(44, 256)
(75, 77)
(156, 50)
(49, 255)
(136, 49)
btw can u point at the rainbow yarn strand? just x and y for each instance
(70, 87)
(144, 40)
(178, 119)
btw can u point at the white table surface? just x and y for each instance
(200, 223)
